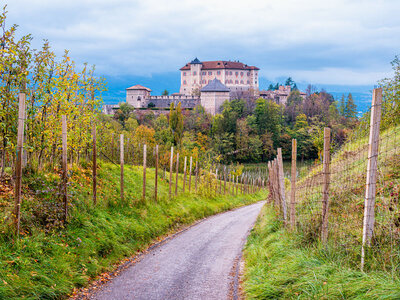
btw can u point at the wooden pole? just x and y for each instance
(121, 158)
(170, 171)
(94, 166)
(64, 166)
(282, 184)
(224, 180)
(156, 178)
(293, 186)
(325, 184)
(372, 167)
(112, 146)
(144, 171)
(18, 169)
(184, 175)
(197, 175)
(216, 183)
(237, 185)
(177, 173)
(190, 174)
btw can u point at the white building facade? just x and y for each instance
(237, 76)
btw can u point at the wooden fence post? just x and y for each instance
(216, 183)
(94, 164)
(190, 174)
(224, 180)
(170, 171)
(237, 184)
(197, 175)
(18, 170)
(293, 185)
(325, 184)
(184, 175)
(177, 173)
(64, 166)
(282, 184)
(372, 167)
(144, 171)
(121, 158)
(156, 177)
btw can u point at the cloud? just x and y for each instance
(340, 42)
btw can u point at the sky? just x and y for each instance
(339, 45)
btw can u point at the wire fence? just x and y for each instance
(360, 214)
(184, 170)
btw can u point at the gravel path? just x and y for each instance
(199, 263)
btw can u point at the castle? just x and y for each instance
(236, 76)
(207, 83)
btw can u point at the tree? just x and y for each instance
(289, 82)
(351, 108)
(342, 106)
(391, 96)
(176, 123)
(123, 113)
(165, 93)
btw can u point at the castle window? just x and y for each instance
(218, 72)
(209, 73)
(248, 81)
(248, 73)
(226, 73)
(184, 82)
(204, 73)
(194, 81)
(241, 74)
(184, 73)
(194, 73)
(226, 81)
(241, 82)
(236, 81)
(138, 98)
(230, 73)
(209, 81)
(236, 73)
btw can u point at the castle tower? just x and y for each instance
(137, 95)
(213, 96)
(195, 70)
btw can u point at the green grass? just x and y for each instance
(50, 260)
(278, 266)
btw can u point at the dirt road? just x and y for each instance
(199, 263)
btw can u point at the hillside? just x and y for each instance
(288, 265)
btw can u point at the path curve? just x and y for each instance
(196, 264)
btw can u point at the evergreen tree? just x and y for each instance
(165, 93)
(342, 106)
(351, 108)
(271, 87)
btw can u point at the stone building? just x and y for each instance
(213, 96)
(280, 95)
(235, 75)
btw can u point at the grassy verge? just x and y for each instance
(51, 259)
(279, 266)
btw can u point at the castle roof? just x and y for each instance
(219, 64)
(215, 86)
(139, 87)
(195, 61)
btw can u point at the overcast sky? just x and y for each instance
(342, 42)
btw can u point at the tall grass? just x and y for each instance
(51, 259)
(279, 266)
